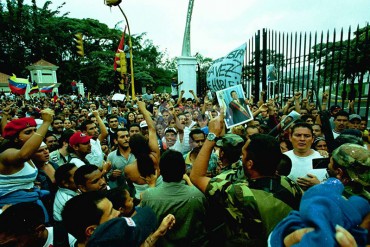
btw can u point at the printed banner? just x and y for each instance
(226, 71)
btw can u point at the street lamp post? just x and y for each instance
(116, 3)
(131, 61)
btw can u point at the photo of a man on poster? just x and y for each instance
(236, 108)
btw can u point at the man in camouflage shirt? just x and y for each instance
(350, 163)
(230, 164)
(247, 209)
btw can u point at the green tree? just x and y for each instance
(30, 33)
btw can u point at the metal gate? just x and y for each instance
(282, 63)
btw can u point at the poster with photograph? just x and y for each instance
(234, 103)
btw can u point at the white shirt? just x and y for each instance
(50, 239)
(301, 166)
(96, 157)
(77, 162)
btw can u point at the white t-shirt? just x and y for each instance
(49, 241)
(77, 162)
(96, 157)
(301, 166)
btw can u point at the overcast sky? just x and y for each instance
(219, 26)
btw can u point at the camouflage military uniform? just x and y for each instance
(229, 143)
(251, 209)
(355, 160)
(233, 172)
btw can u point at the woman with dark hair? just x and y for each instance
(130, 118)
(320, 144)
(17, 171)
(144, 172)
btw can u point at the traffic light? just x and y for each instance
(79, 44)
(121, 63)
(111, 3)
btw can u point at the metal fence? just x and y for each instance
(338, 63)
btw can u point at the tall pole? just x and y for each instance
(131, 61)
(186, 41)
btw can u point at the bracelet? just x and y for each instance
(39, 135)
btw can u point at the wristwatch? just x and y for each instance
(211, 136)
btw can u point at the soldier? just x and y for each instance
(247, 209)
(350, 163)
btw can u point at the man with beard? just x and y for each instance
(80, 146)
(51, 141)
(89, 178)
(57, 127)
(340, 122)
(112, 130)
(89, 128)
(120, 158)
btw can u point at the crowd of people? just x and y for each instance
(162, 170)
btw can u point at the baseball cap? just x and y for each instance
(170, 129)
(157, 103)
(143, 124)
(79, 138)
(15, 126)
(335, 107)
(230, 141)
(356, 160)
(354, 116)
(122, 231)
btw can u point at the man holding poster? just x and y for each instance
(238, 108)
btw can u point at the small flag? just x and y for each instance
(47, 89)
(18, 85)
(34, 88)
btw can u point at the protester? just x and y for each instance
(22, 141)
(245, 214)
(93, 221)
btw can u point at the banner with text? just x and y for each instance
(226, 71)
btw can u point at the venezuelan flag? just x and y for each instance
(47, 89)
(34, 88)
(18, 85)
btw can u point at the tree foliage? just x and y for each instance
(348, 59)
(30, 33)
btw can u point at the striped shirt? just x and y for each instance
(61, 197)
(21, 180)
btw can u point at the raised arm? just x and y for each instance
(198, 174)
(153, 142)
(5, 115)
(263, 107)
(325, 97)
(16, 157)
(103, 129)
(261, 100)
(195, 97)
(297, 102)
(180, 97)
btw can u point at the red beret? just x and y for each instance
(78, 138)
(15, 126)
